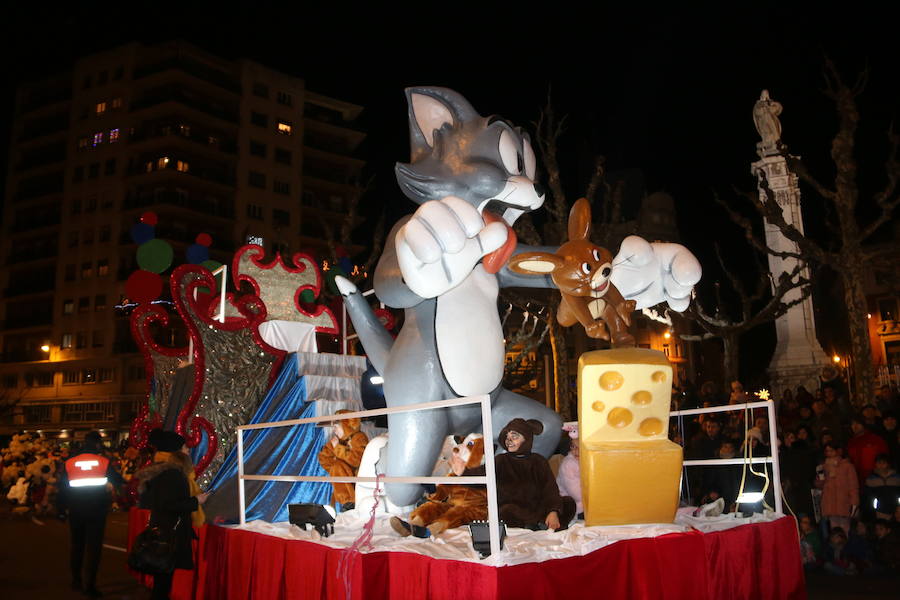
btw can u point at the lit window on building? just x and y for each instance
(149, 166)
(89, 376)
(102, 269)
(87, 270)
(162, 162)
(116, 103)
(84, 143)
(68, 306)
(98, 138)
(113, 136)
(65, 343)
(100, 108)
(183, 166)
(284, 127)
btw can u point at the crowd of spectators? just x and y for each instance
(31, 466)
(838, 462)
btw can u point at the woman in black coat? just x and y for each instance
(166, 491)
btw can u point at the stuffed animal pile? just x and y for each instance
(454, 505)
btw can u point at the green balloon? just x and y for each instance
(155, 256)
(307, 296)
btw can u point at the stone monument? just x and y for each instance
(798, 358)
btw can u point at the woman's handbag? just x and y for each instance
(153, 551)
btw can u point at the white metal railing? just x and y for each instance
(488, 479)
(773, 443)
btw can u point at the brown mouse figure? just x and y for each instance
(581, 270)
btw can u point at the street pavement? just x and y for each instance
(34, 559)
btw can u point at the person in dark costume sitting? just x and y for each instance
(527, 493)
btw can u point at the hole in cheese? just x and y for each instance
(619, 417)
(611, 381)
(642, 398)
(658, 376)
(650, 426)
(598, 406)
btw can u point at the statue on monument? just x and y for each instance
(765, 117)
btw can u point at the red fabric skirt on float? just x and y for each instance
(759, 560)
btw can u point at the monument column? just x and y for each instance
(798, 358)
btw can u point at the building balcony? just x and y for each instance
(221, 179)
(30, 287)
(28, 255)
(194, 68)
(178, 96)
(26, 322)
(45, 127)
(224, 210)
(14, 356)
(195, 141)
(32, 223)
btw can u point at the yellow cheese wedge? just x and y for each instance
(630, 482)
(630, 471)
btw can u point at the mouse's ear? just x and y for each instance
(580, 220)
(430, 109)
(536, 426)
(535, 263)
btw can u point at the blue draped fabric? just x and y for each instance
(276, 451)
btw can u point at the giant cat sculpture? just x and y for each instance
(472, 177)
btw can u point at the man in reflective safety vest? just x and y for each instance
(83, 493)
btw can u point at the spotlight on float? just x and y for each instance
(481, 536)
(312, 516)
(836, 359)
(749, 497)
(376, 380)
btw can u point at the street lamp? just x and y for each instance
(836, 359)
(45, 348)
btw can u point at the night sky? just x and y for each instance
(667, 92)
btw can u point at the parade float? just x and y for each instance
(255, 394)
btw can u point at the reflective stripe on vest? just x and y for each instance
(87, 470)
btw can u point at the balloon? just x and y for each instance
(149, 218)
(155, 256)
(141, 233)
(143, 286)
(196, 254)
(204, 239)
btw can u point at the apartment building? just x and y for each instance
(234, 149)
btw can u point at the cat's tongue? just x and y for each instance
(494, 261)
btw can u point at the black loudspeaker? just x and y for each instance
(312, 515)
(481, 536)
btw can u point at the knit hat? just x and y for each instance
(165, 441)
